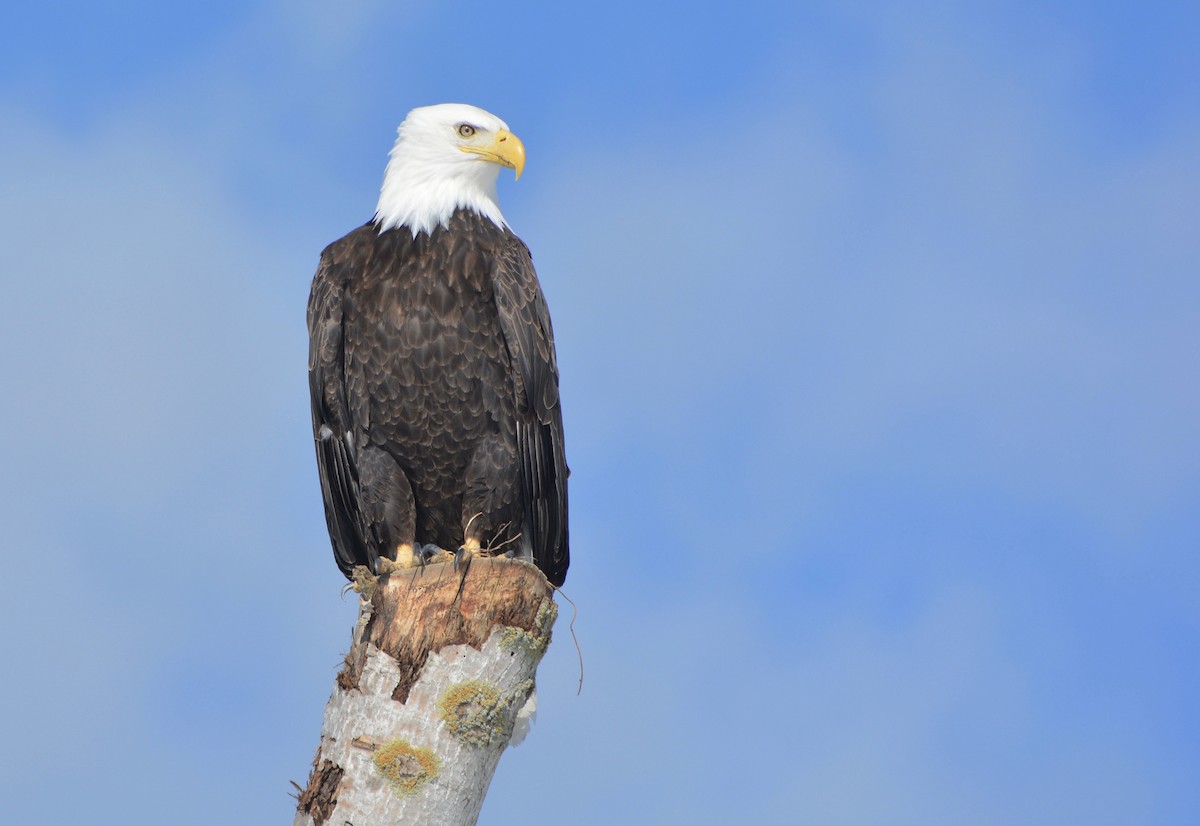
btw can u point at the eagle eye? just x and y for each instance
(466, 130)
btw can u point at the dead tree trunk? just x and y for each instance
(441, 667)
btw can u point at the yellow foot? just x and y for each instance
(405, 559)
(469, 550)
(363, 582)
(409, 557)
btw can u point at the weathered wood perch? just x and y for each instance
(440, 667)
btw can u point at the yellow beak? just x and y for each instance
(505, 149)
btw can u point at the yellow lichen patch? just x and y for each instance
(471, 711)
(514, 639)
(546, 615)
(406, 767)
(476, 713)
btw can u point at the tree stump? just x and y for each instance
(439, 680)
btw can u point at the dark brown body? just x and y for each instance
(435, 395)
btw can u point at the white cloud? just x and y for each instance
(983, 302)
(141, 312)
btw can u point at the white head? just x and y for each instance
(446, 157)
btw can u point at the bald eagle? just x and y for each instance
(432, 368)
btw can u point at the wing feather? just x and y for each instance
(331, 417)
(525, 320)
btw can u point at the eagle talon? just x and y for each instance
(364, 582)
(431, 553)
(463, 557)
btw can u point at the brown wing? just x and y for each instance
(338, 459)
(525, 320)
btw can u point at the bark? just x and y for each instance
(441, 667)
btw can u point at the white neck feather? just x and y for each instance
(424, 184)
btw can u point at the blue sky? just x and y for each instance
(879, 327)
